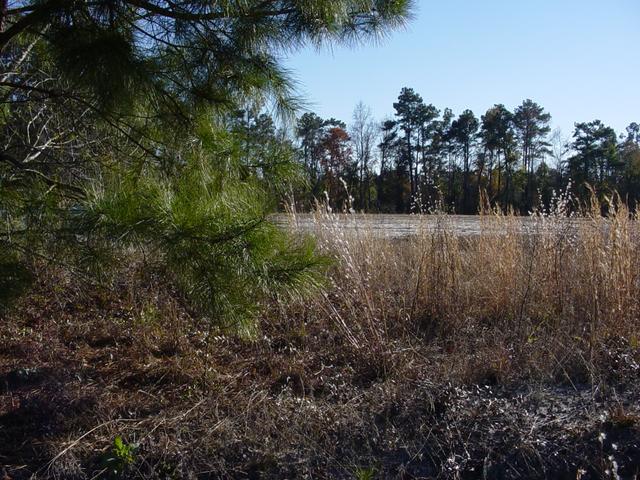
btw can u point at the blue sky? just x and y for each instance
(580, 59)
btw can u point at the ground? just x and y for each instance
(95, 385)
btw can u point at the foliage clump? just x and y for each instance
(136, 127)
(211, 233)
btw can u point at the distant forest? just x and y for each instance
(425, 157)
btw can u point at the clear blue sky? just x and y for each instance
(578, 59)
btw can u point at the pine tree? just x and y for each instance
(532, 127)
(596, 162)
(463, 131)
(386, 184)
(498, 140)
(119, 130)
(409, 109)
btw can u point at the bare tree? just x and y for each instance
(560, 148)
(364, 132)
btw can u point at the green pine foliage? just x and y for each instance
(211, 231)
(135, 127)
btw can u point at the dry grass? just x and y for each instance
(548, 300)
(434, 356)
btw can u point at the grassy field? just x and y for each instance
(498, 355)
(542, 301)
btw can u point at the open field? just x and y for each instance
(403, 225)
(437, 355)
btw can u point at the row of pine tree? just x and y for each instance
(424, 157)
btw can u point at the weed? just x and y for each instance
(118, 458)
(365, 473)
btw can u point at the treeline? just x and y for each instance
(424, 156)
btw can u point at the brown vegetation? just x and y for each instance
(543, 300)
(501, 355)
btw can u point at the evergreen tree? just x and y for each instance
(463, 132)
(532, 127)
(427, 124)
(630, 157)
(410, 109)
(389, 194)
(596, 162)
(309, 131)
(442, 147)
(314, 137)
(498, 139)
(120, 131)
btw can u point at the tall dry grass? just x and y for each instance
(552, 295)
(353, 375)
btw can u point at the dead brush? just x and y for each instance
(535, 286)
(405, 329)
